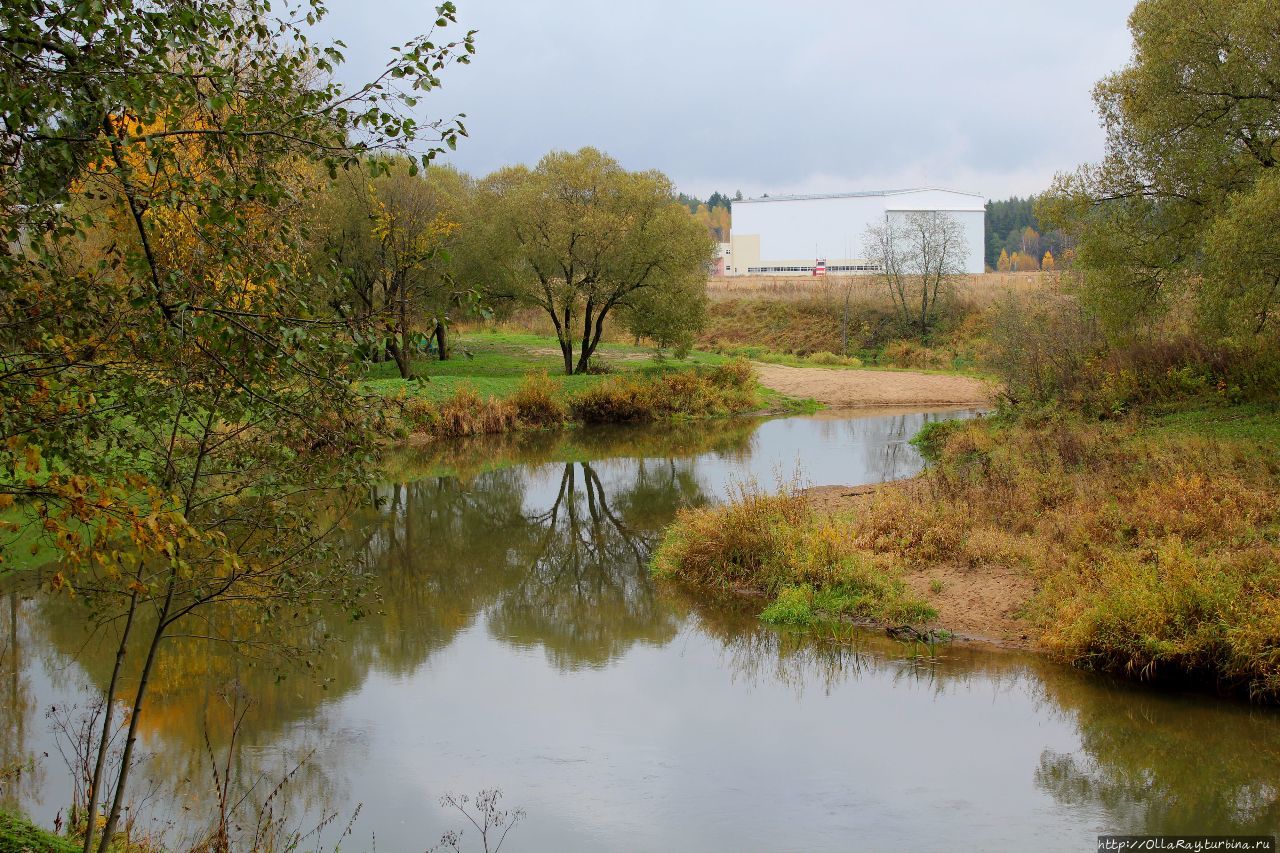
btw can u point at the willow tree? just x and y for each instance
(391, 230)
(1182, 207)
(169, 391)
(582, 239)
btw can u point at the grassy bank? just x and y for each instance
(19, 835)
(1153, 541)
(502, 382)
(775, 545)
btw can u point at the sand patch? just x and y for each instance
(847, 389)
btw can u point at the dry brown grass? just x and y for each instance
(983, 289)
(1153, 556)
(465, 413)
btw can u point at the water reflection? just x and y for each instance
(520, 641)
(1165, 764)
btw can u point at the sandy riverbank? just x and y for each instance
(848, 389)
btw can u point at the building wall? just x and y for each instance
(790, 232)
(970, 210)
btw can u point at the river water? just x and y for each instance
(522, 645)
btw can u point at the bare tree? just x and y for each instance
(918, 254)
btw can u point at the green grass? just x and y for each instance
(495, 363)
(19, 835)
(1256, 424)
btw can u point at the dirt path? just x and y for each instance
(846, 389)
(977, 603)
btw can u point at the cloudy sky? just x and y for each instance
(799, 96)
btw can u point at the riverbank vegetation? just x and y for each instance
(638, 395)
(503, 381)
(775, 545)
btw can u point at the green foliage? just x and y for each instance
(792, 606)
(582, 239)
(1181, 209)
(394, 237)
(932, 436)
(18, 835)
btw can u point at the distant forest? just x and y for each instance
(1016, 241)
(713, 213)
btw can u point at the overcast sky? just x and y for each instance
(799, 96)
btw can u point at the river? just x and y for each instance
(522, 645)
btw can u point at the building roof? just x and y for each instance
(860, 194)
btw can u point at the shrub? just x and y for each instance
(467, 413)
(721, 390)
(1051, 349)
(420, 415)
(777, 545)
(621, 400)
(537, 404)
(737, 373)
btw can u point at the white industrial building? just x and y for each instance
(791, 234)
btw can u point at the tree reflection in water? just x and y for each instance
(585, 594)
(1161, 763)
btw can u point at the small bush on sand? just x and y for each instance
(830, 358)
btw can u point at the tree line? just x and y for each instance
(576, 236)
(1017, 241)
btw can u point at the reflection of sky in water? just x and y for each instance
(524, 646)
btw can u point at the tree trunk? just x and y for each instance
(404, 362)
(844, 322)
(126, 758)
(104, 742)
(587, 348)
(442, 340)
(591, 338)
(565, 337)
(401, 356)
